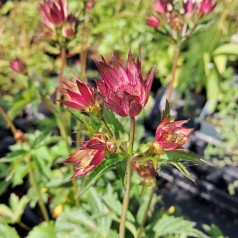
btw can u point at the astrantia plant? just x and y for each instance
(124, 91)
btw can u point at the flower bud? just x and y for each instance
(19, 136)
(152, 21)
(144, 169)
(18, 65)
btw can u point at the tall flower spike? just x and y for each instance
(172, 135)
(79, 96)
(89, 156)
(124, 90)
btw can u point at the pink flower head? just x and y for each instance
(17, 65)
(144, 169)
(79, 95)
(90, 4)
(189, 7)
(161, 6)
(152, 21)
(171, 135)
(54, 12)
(207, 6)
(89, 156)
(124, 90)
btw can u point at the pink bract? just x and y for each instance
(161, 6)
(89, 156)
(79, 95)
(172, 135)
(124, 90)
(54, 12)
(207, 6)
(189, 7)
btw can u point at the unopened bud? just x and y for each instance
(19, 136)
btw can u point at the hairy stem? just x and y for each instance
(175, 63)
(37, 191)
(141, 229)
(128, 180)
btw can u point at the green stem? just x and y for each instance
(24, 226)
(175, 63)
(38, 193)
(61, 72)
(107, 127)
(128, 181)
(125, 200)
(141, 229)
(9, 122)
(132, 135)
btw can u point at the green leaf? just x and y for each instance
(182, 169)
(7, 231)
(45, 229)
(226, 49)
(90, 124)
(97, 173)
(41, 139)
(121, 170)
(13, 213)
(176, 156)
(15, 155)
(178, 227)
(166, 111)
(112, 120)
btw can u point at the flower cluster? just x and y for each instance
(90, 155)
(171, 13)
(55, 16)
(125, 92)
